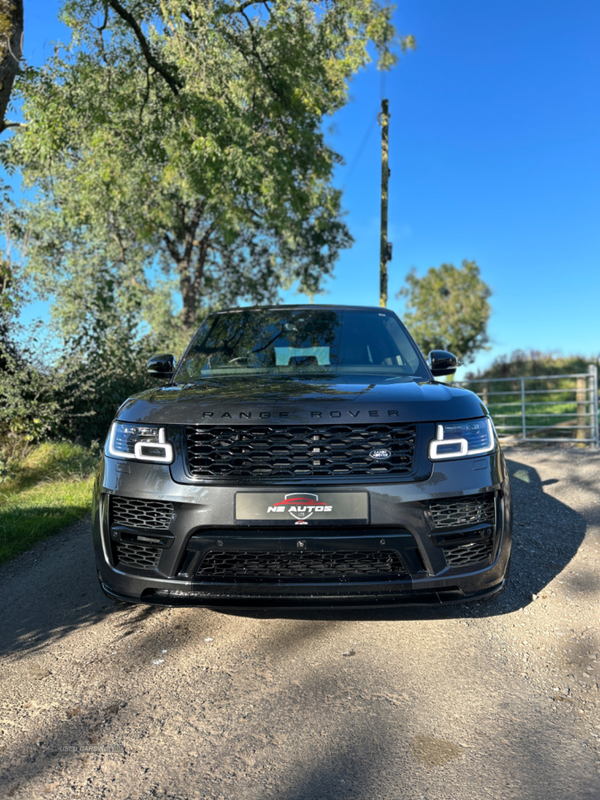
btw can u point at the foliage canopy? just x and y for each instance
(188, 135)
(448, 308)
(11, 44)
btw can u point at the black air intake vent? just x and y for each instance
(466, 555)
(459, 512)
(136, 555)
(301, 567)
(143, 514)
(294, 451)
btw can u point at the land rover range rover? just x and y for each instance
(302, 456)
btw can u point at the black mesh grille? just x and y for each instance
(466, 554)
(139, 556)
(275, 567)
(457, 512)
(297, 451)
(144, 514)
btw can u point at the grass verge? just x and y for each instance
(48, 490)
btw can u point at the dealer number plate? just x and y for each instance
(320, 508)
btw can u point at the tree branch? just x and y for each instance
(204, 245)
(191, 228)
(172, 248)
(146, 96)
(243, 6)
(266, 70)
(173, 83)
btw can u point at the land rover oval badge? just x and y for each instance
(381, 454)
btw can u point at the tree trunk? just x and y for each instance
(182, 252)
(11, 43)
(188, 296)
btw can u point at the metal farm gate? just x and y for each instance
(542, 408)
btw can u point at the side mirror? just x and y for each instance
(441, 362)
(162, 366)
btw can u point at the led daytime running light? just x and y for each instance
(138, 454)
(439, 442)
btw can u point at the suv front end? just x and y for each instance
(304, 478)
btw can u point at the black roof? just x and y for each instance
(303, 306)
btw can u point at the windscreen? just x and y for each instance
(288, 341)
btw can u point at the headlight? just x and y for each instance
(456, 439)
(140, 442)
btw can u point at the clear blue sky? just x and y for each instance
(494, 151)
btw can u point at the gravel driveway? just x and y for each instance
(494, 700)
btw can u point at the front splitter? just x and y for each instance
(240, 602)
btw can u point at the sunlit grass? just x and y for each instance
(49, 490)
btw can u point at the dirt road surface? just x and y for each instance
(494, 700)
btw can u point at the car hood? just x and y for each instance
(259, 399)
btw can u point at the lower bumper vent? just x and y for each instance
(138, 556)
(135, 512)
(460, 511)
(464, 555)
(275, 567)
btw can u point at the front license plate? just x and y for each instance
(282, 508)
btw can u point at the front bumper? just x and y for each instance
(400, 521)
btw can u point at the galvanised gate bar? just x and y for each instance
(542, 408)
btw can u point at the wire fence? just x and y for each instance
(542, 408)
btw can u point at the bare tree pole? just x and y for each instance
(11, 50)
(385, 249)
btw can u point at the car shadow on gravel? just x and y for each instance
(546, 536)
(63, 593)
(60, 595)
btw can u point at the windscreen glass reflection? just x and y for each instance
(301, 342)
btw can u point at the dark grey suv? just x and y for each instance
(302, 456)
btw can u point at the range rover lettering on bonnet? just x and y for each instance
(364, 413)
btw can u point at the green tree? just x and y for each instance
(187, 135)
(11, 290)
(11, 45)
(448, 308)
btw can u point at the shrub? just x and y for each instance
(75, 398)
(531, 363)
